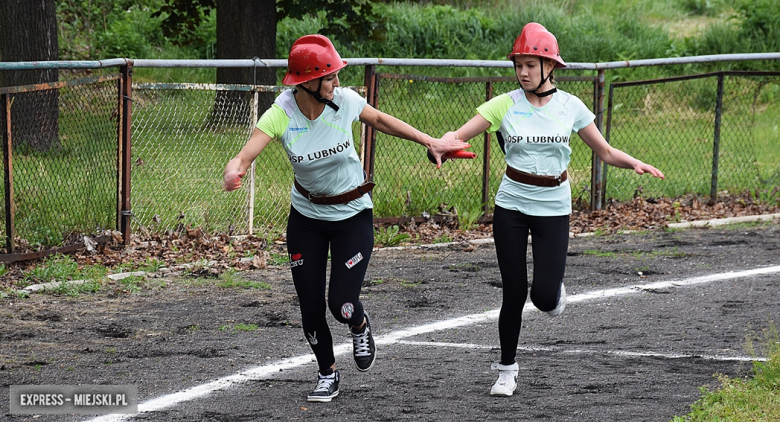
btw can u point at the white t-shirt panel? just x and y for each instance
(536, 140)
(321, 151)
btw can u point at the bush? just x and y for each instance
(754, 28)
(134, 35)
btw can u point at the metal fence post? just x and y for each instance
(5, 99)
(486, 158)
(123, 178)
(716, 139)
(602, 187)
(596, 174)
(251, 199)
(369, 141)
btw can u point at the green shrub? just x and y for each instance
(389, 236)
(134, 35)
(467, 218)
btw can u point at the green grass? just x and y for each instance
(674, 253)
(60, 267)
(232, 279)
(245, 327)
(600, 254)
(744, 400)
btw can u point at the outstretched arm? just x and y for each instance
(470, 129)
(613, 156)
(237, 167)
(393, 126)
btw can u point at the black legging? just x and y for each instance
(549, 243)
(308, 241)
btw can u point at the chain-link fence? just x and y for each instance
(407, 185)
(61, 162)
(183, 135)
(697, 129)
(68, 158)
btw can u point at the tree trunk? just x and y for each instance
(29, 33)
(245, 29)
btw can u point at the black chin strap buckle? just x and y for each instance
(319, 98)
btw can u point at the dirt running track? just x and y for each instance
(620, 354)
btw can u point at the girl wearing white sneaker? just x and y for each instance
(533, 126)
(331, 205)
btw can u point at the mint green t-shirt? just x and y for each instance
(536, 140)
(322, 152)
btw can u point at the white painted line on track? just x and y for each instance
(264, 371)
(583, 351)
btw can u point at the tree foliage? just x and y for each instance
(346, 21)
(183, 19)
(91, 28)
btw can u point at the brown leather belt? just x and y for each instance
(341, 198)
(534, 179)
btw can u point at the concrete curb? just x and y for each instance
(724, 221)
(50, 286)
(688, 224)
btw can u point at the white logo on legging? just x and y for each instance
(354, 260)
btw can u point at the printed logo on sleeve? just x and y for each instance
(354, 260)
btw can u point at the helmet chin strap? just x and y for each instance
(542, 82)
(318, 97)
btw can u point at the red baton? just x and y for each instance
(462, 154)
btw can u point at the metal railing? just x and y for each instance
(97, 137)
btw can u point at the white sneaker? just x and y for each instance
(561, 303)
(507, 379)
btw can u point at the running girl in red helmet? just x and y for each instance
(533, 126)
(331, 206)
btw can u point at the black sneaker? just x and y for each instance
(327, 388)
(364, 349)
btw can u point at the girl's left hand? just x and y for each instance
(642, 168)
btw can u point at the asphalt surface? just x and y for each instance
(651, 318)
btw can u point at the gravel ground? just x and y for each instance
(641, 356)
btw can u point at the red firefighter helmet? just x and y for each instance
(536, 40)
(311, 57)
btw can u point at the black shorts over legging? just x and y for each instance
(549, 244)
(350, 243)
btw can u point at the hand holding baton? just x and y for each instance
(462, 154)
(232, 180)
